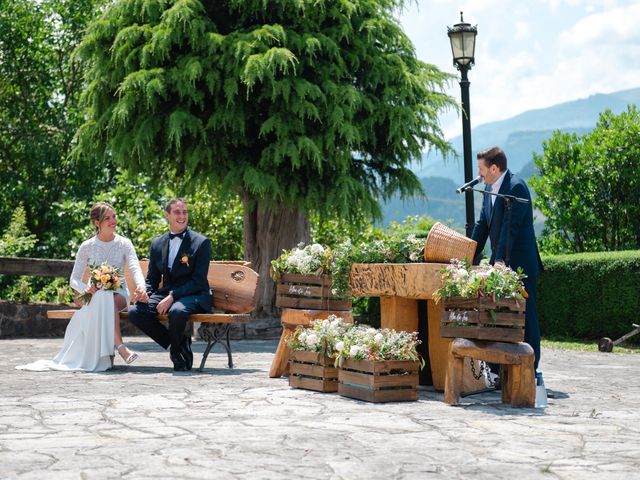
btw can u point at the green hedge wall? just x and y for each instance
(590, 295)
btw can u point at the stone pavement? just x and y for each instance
(144, 421)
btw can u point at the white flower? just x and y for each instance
(353, 351)
(378, 338)
(317, 249)
(339, 346)
(312, 340)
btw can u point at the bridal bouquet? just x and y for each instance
(103, 277)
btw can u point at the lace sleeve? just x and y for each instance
(134, 264)
(82, 260)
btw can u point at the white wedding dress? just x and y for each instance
(89, 338)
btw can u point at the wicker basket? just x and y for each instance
(444, 243)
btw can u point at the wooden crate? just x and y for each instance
(312, 371)
(379, 381)
(471, 318)
(308, 292)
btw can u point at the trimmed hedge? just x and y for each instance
(590, 295)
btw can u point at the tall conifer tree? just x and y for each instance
(296, 105)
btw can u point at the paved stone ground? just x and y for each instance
(144, 421)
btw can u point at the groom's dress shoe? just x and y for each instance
(186, 351)
(179, 365)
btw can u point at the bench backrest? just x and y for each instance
(234, 286)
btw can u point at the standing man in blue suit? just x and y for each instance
(513, 240)
(180, 260)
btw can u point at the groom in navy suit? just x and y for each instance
(513, 240)
(180, 260)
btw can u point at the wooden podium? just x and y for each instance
(400, 286)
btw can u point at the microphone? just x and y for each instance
(470, 184)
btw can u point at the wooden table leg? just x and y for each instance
(291, 319)
(280, 363)
(399, 313)
(438, 346)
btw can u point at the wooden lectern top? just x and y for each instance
(408, 280)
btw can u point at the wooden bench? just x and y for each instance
(234, 286)
(518, 374)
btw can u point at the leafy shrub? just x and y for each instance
(589, 295)
(16, 240)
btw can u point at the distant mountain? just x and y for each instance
(519, 136)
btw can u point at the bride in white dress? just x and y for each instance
(94, 330)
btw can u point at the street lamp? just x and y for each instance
(463, 44)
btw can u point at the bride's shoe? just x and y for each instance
(128, 356)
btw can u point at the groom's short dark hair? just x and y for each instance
(167, 207)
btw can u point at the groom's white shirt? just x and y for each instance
(174, 246)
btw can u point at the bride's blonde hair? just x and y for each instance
(98, 212)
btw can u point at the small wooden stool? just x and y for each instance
(291, 318)
(518, 375)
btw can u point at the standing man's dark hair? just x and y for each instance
(512, 237)
(179, 260)
(494, 156)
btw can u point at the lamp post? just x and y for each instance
(463, 44)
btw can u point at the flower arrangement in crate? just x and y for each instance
(311, 362)
(304, 276)
(486, 303)
(378, 365)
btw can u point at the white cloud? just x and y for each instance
(610, 27)
(523, 30)
(541, 53)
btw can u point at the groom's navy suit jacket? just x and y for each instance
(518, 247)
(187, 279)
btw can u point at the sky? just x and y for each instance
(530, 54)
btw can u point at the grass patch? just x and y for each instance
(584, 345)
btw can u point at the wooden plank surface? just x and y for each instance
(409, 280)
(39, 267)
(318, 358)
(376, 396)
(324, 386)
(309, 370)
(306, 279)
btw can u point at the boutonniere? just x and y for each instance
(184, 259)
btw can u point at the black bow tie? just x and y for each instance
(179, 235)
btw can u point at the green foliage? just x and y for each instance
(219, 217)
(39, 114)
(139, 203)
(319, 105)
(589, 186)
(19, 291)
(56, 291)
(17, 241)
(589, 295)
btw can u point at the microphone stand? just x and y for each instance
(508, 202)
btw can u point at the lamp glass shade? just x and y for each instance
(463, 43)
